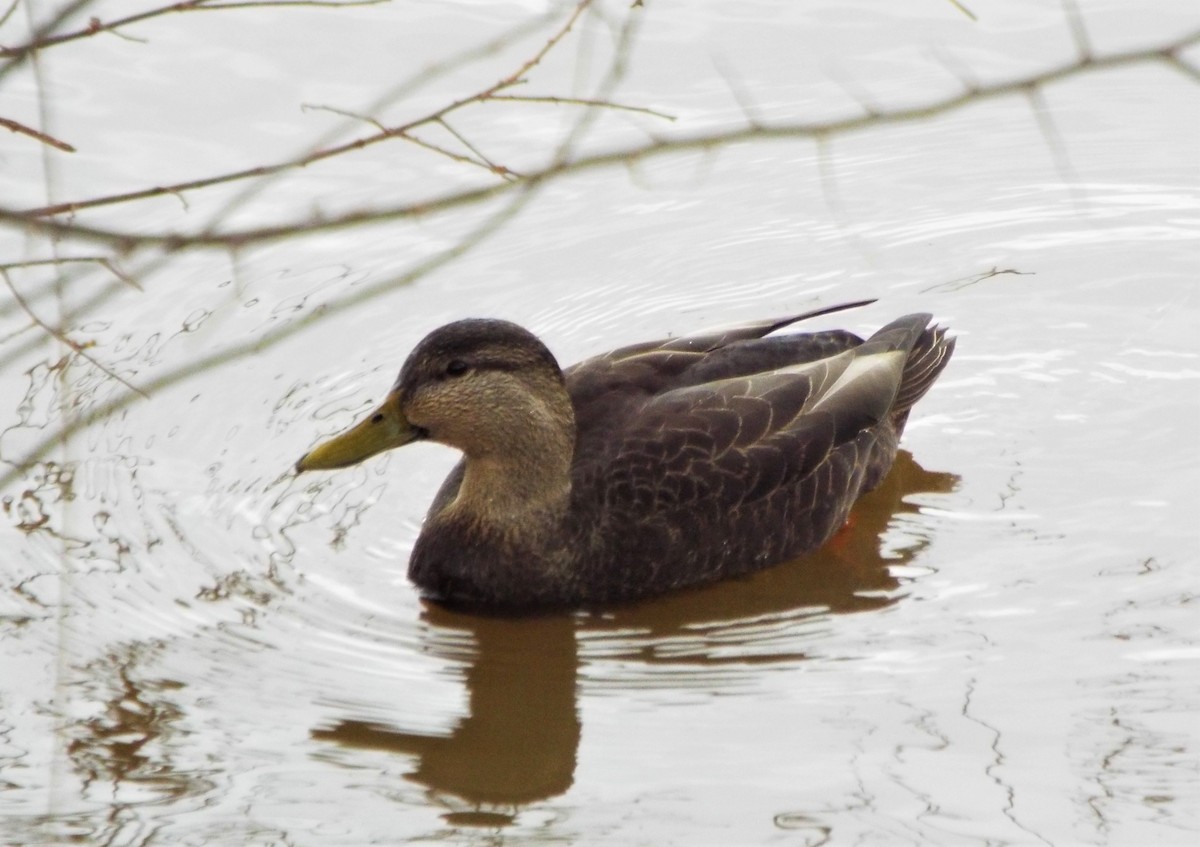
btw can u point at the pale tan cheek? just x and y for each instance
(444, 412)
(422, 410)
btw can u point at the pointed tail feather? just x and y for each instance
(928, 351)
(927, 359)
(712, 339)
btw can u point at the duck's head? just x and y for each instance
(481, 386)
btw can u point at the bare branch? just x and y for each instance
(526, 189)
(964, 10)
(1078, 31)
(345, 113)
(235, 352)
(79, 349)
(536, 58)
(12, 7)
(384, 134)
(580, 101)
(1176, 61)
(479, 162)
(750, 110)
(21, 129)
(32, 220)
(43, 39)
(957, 69)
(20, 54)
(853, 91)
(499, 170)
(104, 261)
(1058, 150)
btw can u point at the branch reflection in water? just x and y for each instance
(520, 739)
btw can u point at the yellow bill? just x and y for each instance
(383, 429)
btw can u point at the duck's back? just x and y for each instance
(706, 457)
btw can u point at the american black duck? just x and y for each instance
(646, 469)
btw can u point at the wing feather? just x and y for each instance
(703, 427)
(744, 438)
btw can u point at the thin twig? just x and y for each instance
(433, 72)
(96, 26)
(499, 170)
(536, 59)
(964, 10)
(963, 282)
(1078, 31)
(1058, 150)
(1176, 61)
(504, 172)
(852, 90)
(105, 262)
(79, 349)
(384, 134)
(21, 129)
(480, 162)
(97, 297)
(20, 54)
(403, 90)
(580, 101)
(19, 331)
(957, 69)
(343, 113)
(236, 352)
(12, 7)
(33, 221)
(741, 95)
(525, 191)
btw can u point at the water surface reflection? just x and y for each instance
(520, 739)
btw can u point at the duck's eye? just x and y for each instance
(457, 367)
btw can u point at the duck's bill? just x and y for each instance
(384, 429)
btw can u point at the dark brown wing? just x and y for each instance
(611, 390)
(741, 438)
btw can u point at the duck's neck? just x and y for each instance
(524, 479)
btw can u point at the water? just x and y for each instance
(198, 648)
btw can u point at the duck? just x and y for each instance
(648, 469)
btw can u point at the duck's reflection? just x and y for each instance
(519, 742)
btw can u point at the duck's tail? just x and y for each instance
(929, 351)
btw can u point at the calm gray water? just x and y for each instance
(196, 648)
